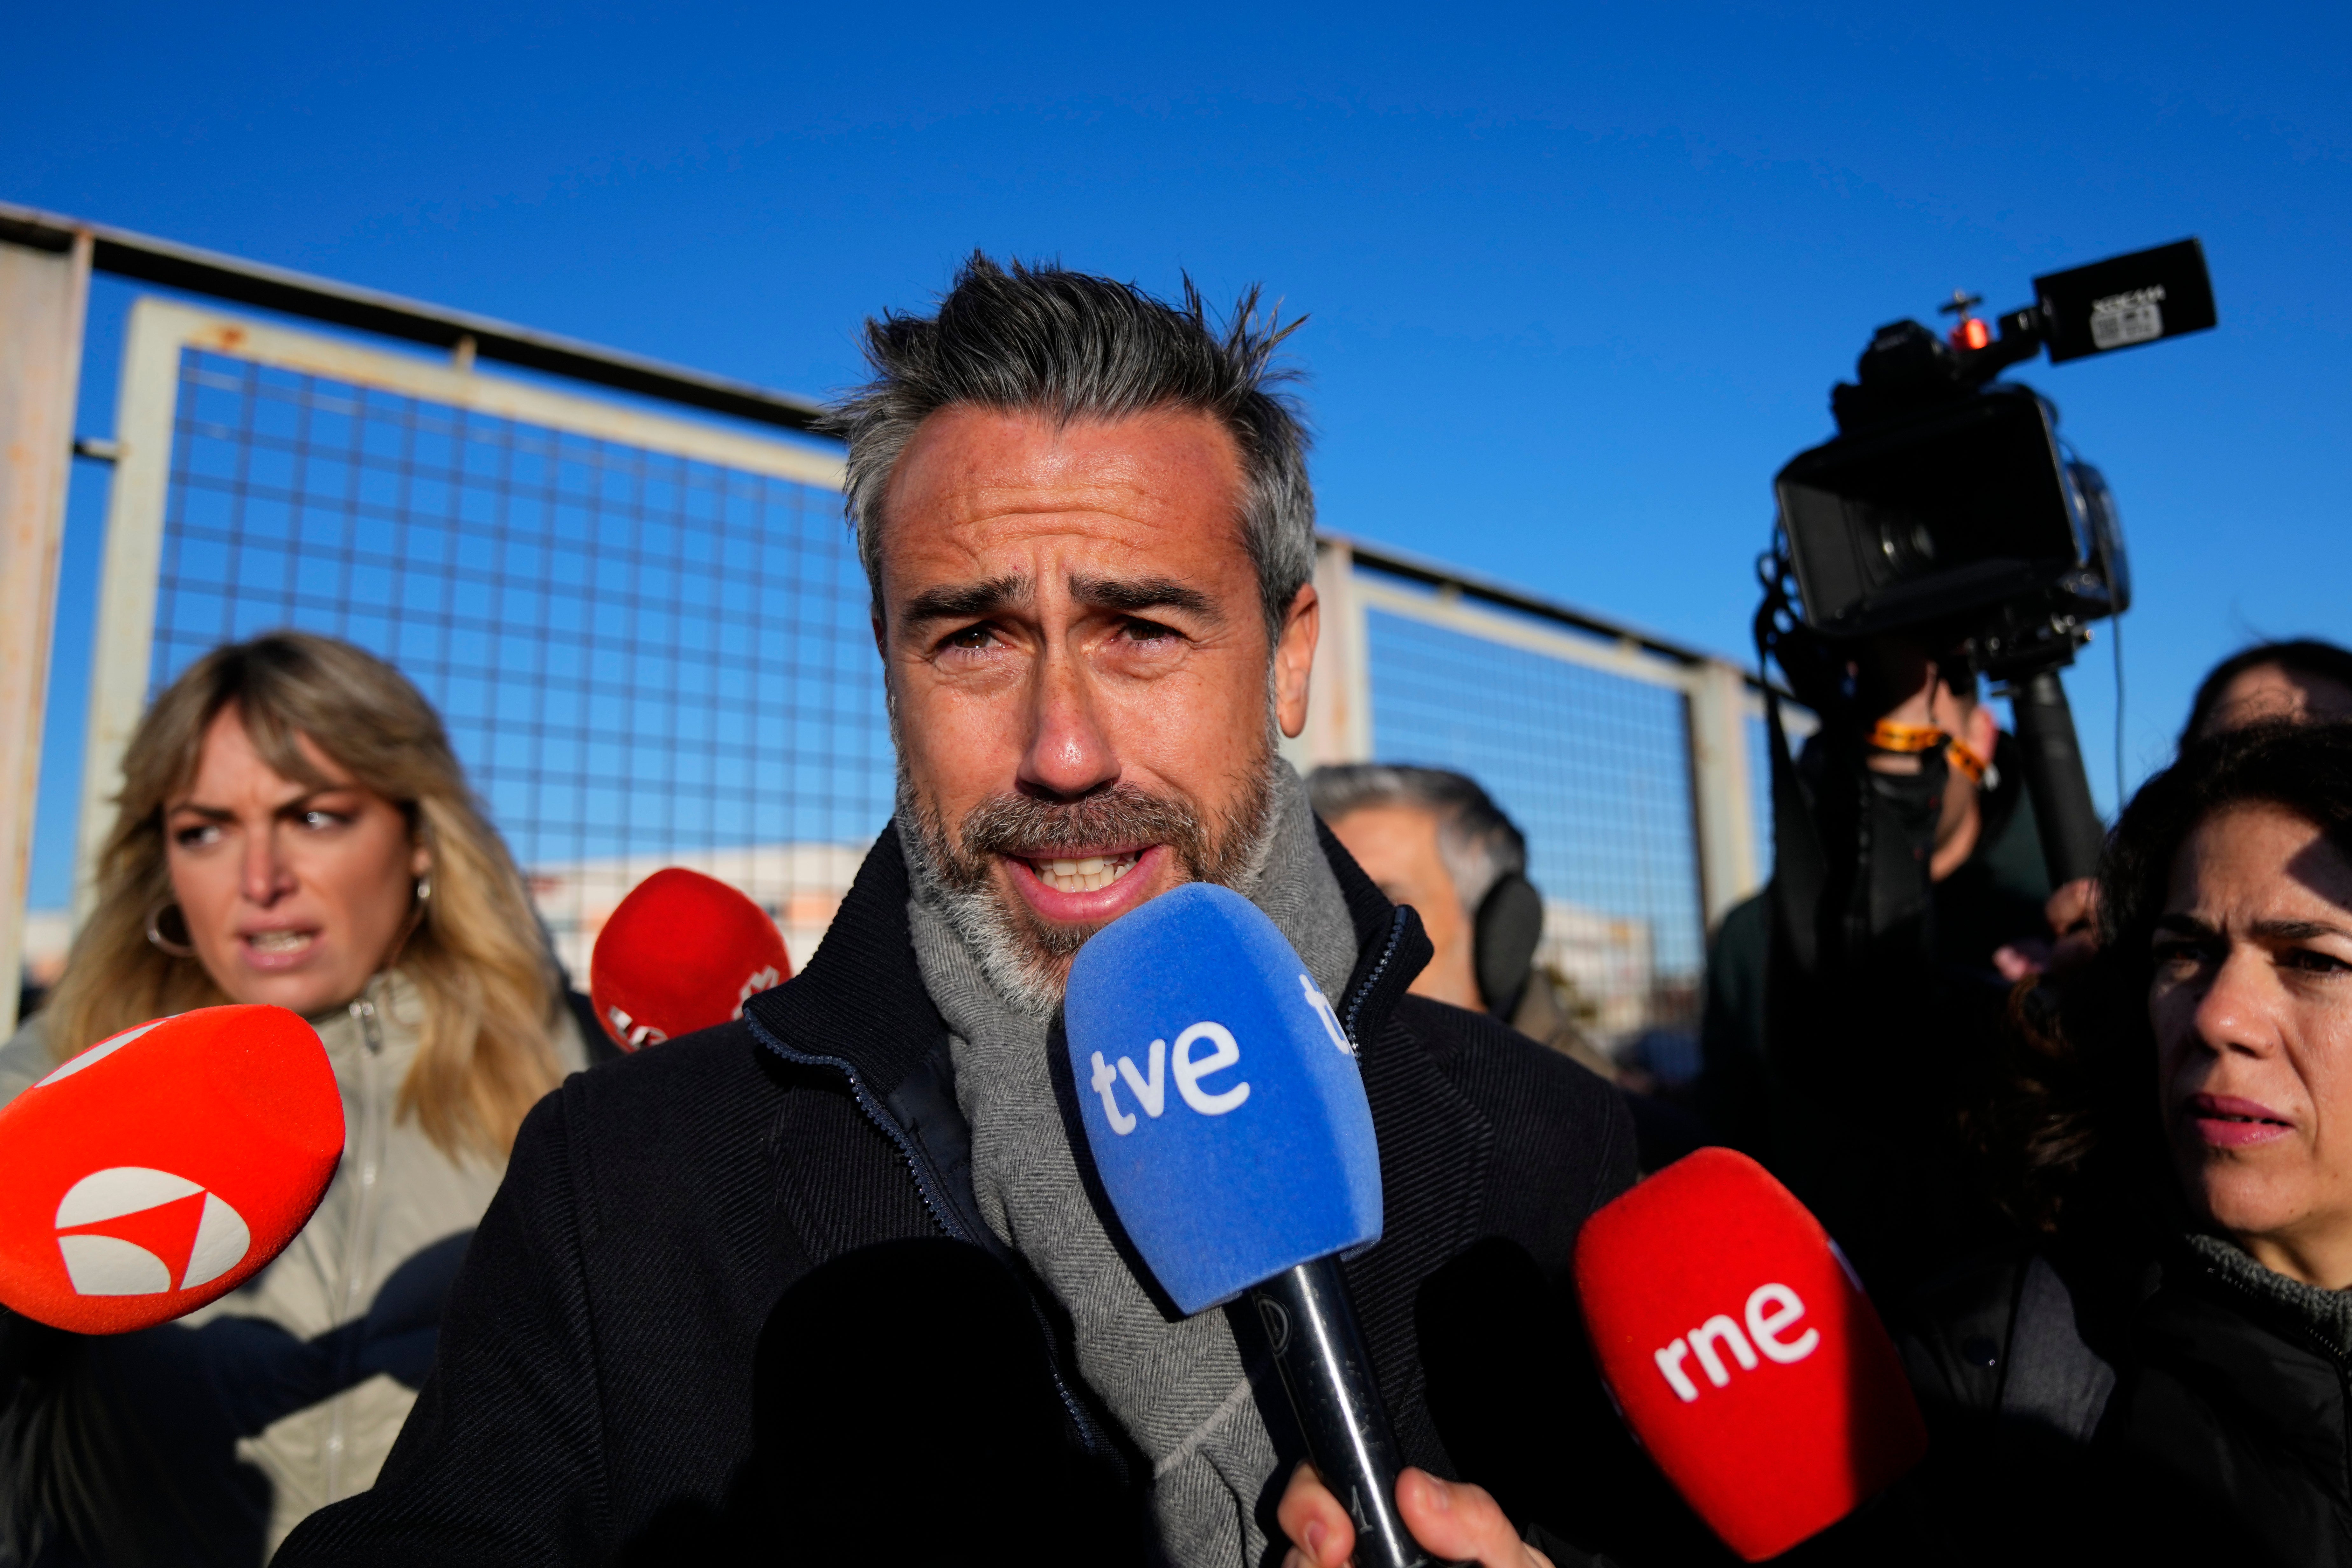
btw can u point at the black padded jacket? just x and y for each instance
(592, 1396)
(2226, 1440)
(2211, 1423)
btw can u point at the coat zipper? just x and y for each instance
(1363, 993)
(926, 1183)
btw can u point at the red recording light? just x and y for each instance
(1971, 333)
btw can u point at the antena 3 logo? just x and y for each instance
(129, 1230)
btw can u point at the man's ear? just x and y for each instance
(890, 697)
(1294, 659)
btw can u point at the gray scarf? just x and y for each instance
(1179, 1388)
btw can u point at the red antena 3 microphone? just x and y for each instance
(1743, 1354)
(163, 1168)
(683, 952)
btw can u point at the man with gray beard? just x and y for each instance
(837, 1278)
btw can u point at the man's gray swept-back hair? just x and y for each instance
(1478, 844)
(1075, 347)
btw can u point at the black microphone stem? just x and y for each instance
(1330, 1379)
(2054, 779)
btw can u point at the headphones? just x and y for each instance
(1503, 938)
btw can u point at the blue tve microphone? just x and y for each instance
(1227, 1118)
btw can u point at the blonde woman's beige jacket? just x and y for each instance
(395, 1197)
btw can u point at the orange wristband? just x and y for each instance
(1978, 769)
(1907, 740)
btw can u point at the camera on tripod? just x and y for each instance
(1946, 511)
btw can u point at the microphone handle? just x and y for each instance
(1328, 1377)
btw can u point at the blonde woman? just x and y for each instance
(293, 829)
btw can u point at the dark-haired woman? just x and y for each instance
(2167, 1376)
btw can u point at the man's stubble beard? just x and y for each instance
(1026, 959)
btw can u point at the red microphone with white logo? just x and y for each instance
(683, 952)
(162, 1168)
(1744, 1354)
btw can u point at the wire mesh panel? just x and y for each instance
(643, 659)
(1595, 769)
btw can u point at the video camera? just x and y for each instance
(1946, 503)
(1945, 510)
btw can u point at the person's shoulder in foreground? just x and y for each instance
(593, 1398)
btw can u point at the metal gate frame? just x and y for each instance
(146, 417)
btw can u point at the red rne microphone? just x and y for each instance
(1743, 1353)
(683, 952)
(163, 1168)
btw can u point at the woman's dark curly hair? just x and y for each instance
(2079, 1123)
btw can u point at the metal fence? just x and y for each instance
(647, 630)
(1593, 767)
(1624, 759)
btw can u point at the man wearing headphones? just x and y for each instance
(1435, 840)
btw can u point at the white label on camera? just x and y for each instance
(2128, 318)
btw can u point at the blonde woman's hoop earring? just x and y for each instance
(162, 943)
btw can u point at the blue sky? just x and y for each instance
(1578, 279)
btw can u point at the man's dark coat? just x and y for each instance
(593, 1395)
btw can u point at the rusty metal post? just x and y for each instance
(43, 295)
